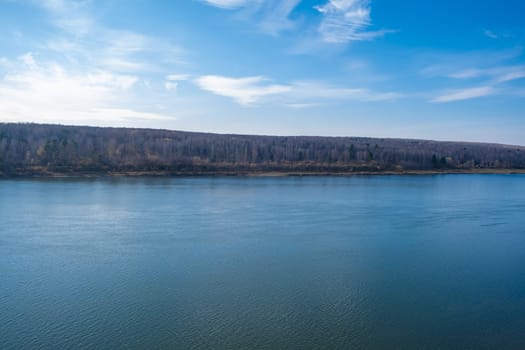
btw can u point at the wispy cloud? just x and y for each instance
(276, 16)
(497, 35)
(301, 105)
(270, 16)
(439, 64)
(465, 94)
(489, 72)
(347, 20)
(178, 77)
(244, 91)
(362, 70)
(119, 50)
(71, 15)
(93, 74)
(47, 92)
(173, 80)
(123, 114)
(342, 21)
(490, 34)
(251, 90)
(171, 86)
(227, 4)
(468, 73)
(84, 41)
(319, 91)
(497, 74)
(514, 73)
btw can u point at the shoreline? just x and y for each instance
(167, 174)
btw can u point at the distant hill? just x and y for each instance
(40, 150)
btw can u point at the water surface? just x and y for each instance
(382, 262)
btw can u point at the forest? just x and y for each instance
(47, 150)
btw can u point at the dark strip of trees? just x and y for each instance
(36, 149)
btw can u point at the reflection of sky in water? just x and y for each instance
(314, 262)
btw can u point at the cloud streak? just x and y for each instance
(178, 77)
(491, 72)
(245, 91)
(270, 16)
(84, 41)
(499, 74)
(465, 94)
(341, 21)
(318, 91)
(248, 91)
(490, 34)
(347, 20)
(71, 16)
(226, 4)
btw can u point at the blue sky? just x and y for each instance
(445, 70)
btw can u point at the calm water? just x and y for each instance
(386, 262)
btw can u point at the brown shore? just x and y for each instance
(51, 174)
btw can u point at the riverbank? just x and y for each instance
(52, 174)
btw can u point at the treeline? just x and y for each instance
(35, 149)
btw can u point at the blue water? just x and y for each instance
(382, 262)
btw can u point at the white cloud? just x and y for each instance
(300, 105)
(490, 34)
(250, 90)
(468, 73)
(28, 59)
(118, 50)
(35, 92)
(492, 71)
(170, 86)
(498, 74)
(496, 35)
(315, 91)
(84, 41)
(95, 116)
(276, 16)
(270, 16)
(463, 65)
(71, 16)
(124, 114)
(226, 4)
(342, 20)
(505, 74)
(173, 80)
(244, 91)
(465, 94)
(178, 77)
(347, 20)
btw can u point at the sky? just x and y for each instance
(443, 70)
